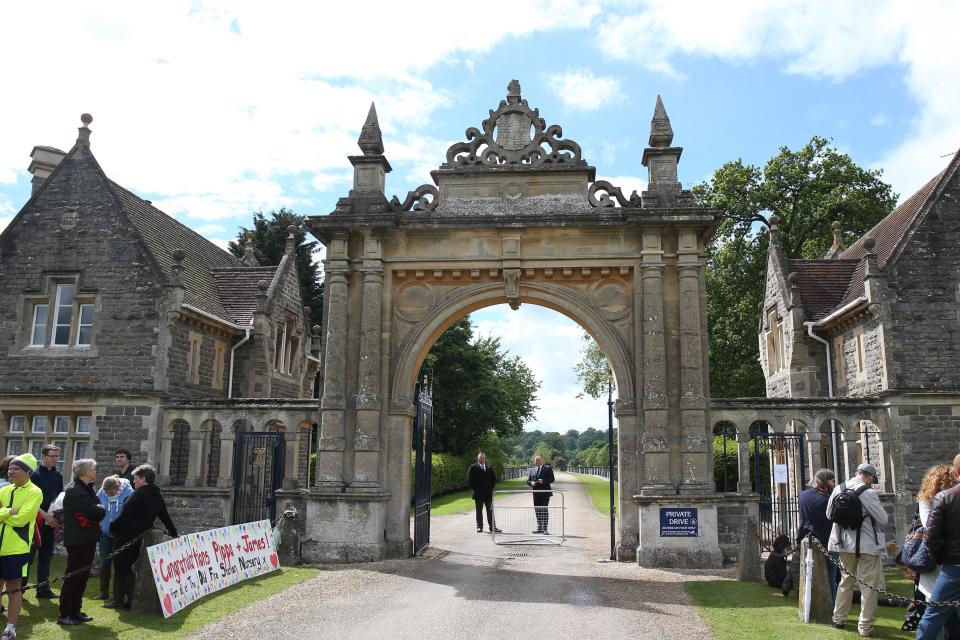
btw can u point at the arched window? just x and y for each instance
(213, 454)
(726, 470)
(179, 453)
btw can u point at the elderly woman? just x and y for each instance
(112, 495)
(82, 514)
(137, 516)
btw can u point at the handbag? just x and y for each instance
(915, 553)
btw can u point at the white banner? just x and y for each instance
(195, 565)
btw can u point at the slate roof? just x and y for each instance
(828, 284)
(238, 290)
(162, 234)
(822, 284)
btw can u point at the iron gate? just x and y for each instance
(257, 473)
(779, 475)
(423, 482)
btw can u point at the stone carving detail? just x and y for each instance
(511, 282)
(612, 299)
(423, 198)
(507, 139)
(607, 193)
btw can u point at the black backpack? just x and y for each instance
(848, 510)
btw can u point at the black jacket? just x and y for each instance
(942, 534)
(546, 474)
(813, 515)
(139, 513)
(82, 513)
(481, 482)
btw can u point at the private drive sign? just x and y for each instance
(678, 522)
(195, 565)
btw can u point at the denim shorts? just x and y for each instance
(14, 566)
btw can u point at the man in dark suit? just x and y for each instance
(540, 478)
(482, 479)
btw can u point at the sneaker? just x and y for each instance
(82, 617)
(838, 625)
(866, 633)
(46, 594)
(8, 634)
(479, 529)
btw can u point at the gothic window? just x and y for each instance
(219, 357)
(860, 355)
(179, 453)
(839, 363)
(193, 358)
(280, 349)
(213, 455)
(775, 346)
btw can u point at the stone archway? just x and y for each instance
(516, 216)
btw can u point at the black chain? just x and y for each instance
(889, 594)
(47, 583)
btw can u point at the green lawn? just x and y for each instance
(461, 502)
(599, 490)
(738, 610)
(38, 620)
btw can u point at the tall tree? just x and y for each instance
(808, 189)
(477, 389)
(269, 243)
(592, 369)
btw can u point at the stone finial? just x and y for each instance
(661, 133)
(291, 239)
(513, 92)
(176, 277)
(83, 137)
(793, 279)
(371, 140)
(774, 223)
(869, 244)
(837, 246)
(262, 287)
(249, 259)
(316, 329)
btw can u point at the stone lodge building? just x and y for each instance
(121, 327)
(874, 326)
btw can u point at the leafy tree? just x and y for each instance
(808, 190)
(477, 389)
(269, 245)
(592, 370)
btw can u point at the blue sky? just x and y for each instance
(216, 109)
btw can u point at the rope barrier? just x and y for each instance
(927, 603)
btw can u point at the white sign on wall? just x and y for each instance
(197, 564)
(780, 473)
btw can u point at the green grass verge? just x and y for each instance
(738, 610)
(599, 490)
(461, 502)
(38, 620)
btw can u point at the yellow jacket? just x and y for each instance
(16, 531)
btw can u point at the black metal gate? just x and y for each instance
(423, 484)
(779, 475)
(257, 474)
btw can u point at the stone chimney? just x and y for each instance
(43, 160)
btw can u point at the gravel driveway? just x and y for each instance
(467, 587)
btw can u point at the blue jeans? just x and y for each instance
(105, 549)
(832, 575)
(935, 618)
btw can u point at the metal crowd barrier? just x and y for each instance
(520, 524)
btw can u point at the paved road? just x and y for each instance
(467, 587)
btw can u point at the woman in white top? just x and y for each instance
(936, 480)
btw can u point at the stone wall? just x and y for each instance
(198, 509)
(731, 516)
(925, 336)
(871, 377)
(180, 382)
(124, 427)
(96, 245)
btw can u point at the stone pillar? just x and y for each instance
(628, 523)
(195, 464)
(290, 482)
(227, 439)
(398, 436)
(696, 456)
(166, 446)
(655, 441)
(743, 462)
(330, 447)
(814, 461)
(848, 453)
(366, 441)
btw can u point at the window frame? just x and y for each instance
(10, 442)
(88, 420)
(56, 316)
(81, 325)
(57, 419)
(23, 424)
(33, 423)
(33, 344)
(73, 450)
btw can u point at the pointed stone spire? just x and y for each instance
(661, 133)
(249, 259)
(371, 140)
(83, 137)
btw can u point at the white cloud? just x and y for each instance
(4, 221)
(211, 96)
(210, 229)
(5, 205)
(628, 184)
(817, 38)
(880, 120)
(581, 89)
